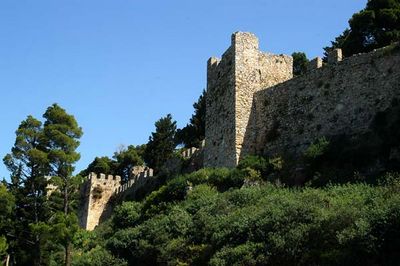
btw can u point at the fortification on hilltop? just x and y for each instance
(99, 190)
(255, 106)
(231, 83)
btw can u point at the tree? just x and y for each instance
(7, 205)
(161, 143)
(300, 62)
(192, 134)
(62, 139)
(27, 163)
(376, 26)
(126, 159)
(103, 165)
(121, 164)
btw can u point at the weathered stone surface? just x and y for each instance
(99, 189)
(255, 107)
(336, 99)
(335, 56)
(231, 84)
(314, 64)
(97, 192)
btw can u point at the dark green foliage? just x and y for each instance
(62, 139)
(127, 214)
(317, 149)
(62, 134)
(7, 205)
(377, 25)
(100, 165)
(97, 256)
(192, 134)
(265, 225)
(344, 158)
(28, 164)
(161, 143)
(126, 159)
(300, 62)
(121, 164)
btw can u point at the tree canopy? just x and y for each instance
(193, 133)
(376, 26)
(161, 143)
(300, 62)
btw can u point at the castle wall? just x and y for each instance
(97, 193)
(220, 115)
(231, 84)
(338, 98)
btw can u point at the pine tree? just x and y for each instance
(161, 143)
(194, 132)
(376, 26)
(62, 135)
(300, 62)
(127, 158)
(27, 163)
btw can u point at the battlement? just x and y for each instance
(138, 178)
(103, 177)
(231, 83)
(254, 106)
(333, 57)
(315, 64)
(188, 153)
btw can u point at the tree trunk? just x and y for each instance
(65, 199)
(68, 245)
(68, 254)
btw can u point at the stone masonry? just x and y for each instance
(100, 192)
(254, 106)
(97, 192)
(231, 83)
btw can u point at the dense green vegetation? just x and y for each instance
(42, 226)
(207, 217)
(338, 203)
(161, 143)
(300, 62)
(121, 163)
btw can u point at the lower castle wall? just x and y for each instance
(219, 148)
(339, 98)
(98, 191)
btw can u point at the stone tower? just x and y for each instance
(97, 192)
(231, 84)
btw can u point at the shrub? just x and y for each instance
(317, 149)
(127, 214)
(97, 192)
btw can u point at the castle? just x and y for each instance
(99, 190)
(256, 106)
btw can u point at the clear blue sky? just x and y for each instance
(118, 66)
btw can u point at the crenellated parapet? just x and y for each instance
(98, 178)
(231, 83)
(255, 106)
(100, 188)
(333, 57)
(137, 179)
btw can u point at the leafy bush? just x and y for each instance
(336, 225)
(317, 149)
(97, 256)
(127, 214)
